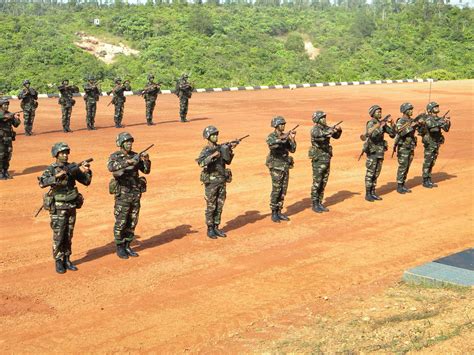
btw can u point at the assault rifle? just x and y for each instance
(136, 160)
(10, 115)
(332, 128)
(236, 141)
(366, 135)
(285, 136)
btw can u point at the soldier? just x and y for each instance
(375, 147)
(29, 103)
(279, 162)
(432, 137)
(67, 102)
(127, 186)
(62, 200)
(150, 94)
(213, 160)
(184, 90)
(8, 120)
(91, 96)
(320, 154)
(119, 99)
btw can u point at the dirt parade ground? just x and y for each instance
(187, 292)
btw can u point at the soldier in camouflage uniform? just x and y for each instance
(184, 90)
(213, 160)
(150, 94)
(29, 103)
(91, 96)
(8, 120)
(279, 162)
(67, 102)
(320, 154)
(119, 99)
(432, 134)
(62, 200)
(127, 186)
(375, 147)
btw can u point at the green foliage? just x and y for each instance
(294, 42)
(439, 74)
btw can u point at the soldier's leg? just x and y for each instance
(325, 169)
(221, 196)
(63, 118)
(277, 187)
(3, 160)
(27, 122)
(183, 108)
(117, 115)
(370, 164)
(434, 156)
(403, 156)
(69, 113)
(32, 120)
(59, 225)
(71, 221)
(93, 112)
(121, 212)
(378, 169)
(6, 163)
(210, 195)
(428, 163)
(284, 189)
(120, 116)
(132, 222)
(315, 188)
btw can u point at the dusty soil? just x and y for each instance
(189, 293)
(311, 50)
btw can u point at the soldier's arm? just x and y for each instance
(84, 178)
(145, 166)
(292, 145)
(337, 133)
(205, 158)
(34, 94)
(390, 130)
(114, 164)
(446, 125)
(402, 132)
(373, 129)
(317, 135)
(47, 179)
(274, 142)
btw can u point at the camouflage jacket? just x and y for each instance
(91, 93)
(67, 93)
(405, 138)
(321, 148)
(433, 126)
(376, 144)
(184, 88)
(126, 175)
(28, 99)
(7, 122)
(214, 168)
(64, 190)
(151, 91)
(118, 92)
(278, 157)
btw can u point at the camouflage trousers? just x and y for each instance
(62, 224)
(118, 115)
(66, 116)
(214, 194)
(279, 187)
(28, 119)
(374, 167)
(150, 107)
(90, 114)
(431, 154)
(126, 211)
(321, 169)
(5, 155)
(405, 158)
(183, 106)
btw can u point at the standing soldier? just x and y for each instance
(213, 160)
(91, 96)
(279, 162)
(432, 139)
(62, 200)
(8, 120)
(320, 154)
(29, 103)
(184, 90)
(375, 147)
(127, 186)
(150, 94)
(119, 99)
(67, 102)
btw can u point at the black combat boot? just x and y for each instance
(68, 264)
(211, 233)
(368, 195)
(427, 183)
(322, 208)
(316, 207)
(129, 250)
(375, 196)
(2, 175)
(183, 119)
(219, 233)
(121, 252)
(275, 217)
(150, 123)
(7, 174)
(281, 216)
(401, 189)
(60, 266)
(432, 183)
(407, 190)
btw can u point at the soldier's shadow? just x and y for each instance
(305, 203)
(30, 170)
(248, 217)
(415, 181)
(164, 237)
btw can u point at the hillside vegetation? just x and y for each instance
(231, 45)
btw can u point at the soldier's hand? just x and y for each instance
(131, 161)
(292, 135)
(84, 168)
(216, 154)
(61, 174)
(233, 145)
(144, 157)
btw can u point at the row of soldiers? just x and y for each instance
(92, 93)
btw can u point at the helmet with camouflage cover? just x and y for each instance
(209, 131)
(318, 115)
(59, 147)
(3, 101)
(278, 120)
(26, 82)
(122, 138)
(117, 80)
(65, 81)
(150, 76)
(431, 106)
(405, 107)
(90, 77)
(372, 110)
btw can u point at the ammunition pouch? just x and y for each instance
(385, 145)
(142, 183)
(312, 153)
(68, 196)
(228, 175)
(13, 135)
(79, 201)
(291, 162)
(205, 177)
(35, 104)
(114, 187)
(48, 202)
(73, 102)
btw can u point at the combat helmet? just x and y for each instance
(59, 147)
(3, 101)
(278, 120)
(431, 106)
(116, 80)
(122, 138)
(150, 76)
(318, 115)
(372, 110)
(26, 82)
(405, 107)
(209, 131)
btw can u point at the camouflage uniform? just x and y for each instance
(214, 176)
(320, 154)
(150, 94)
(127, 186)
(91, 96)
(119, 100)
(375, 148)
(184, 90)
(7, 136)
(67, 102)
(29, 103)
(432, 139)
(62, 201)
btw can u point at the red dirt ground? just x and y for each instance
(189, 293)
